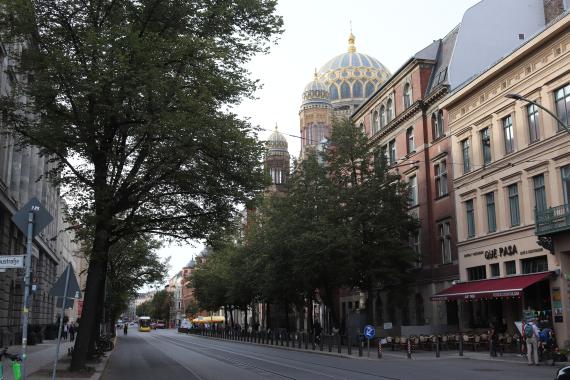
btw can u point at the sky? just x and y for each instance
(316, 31)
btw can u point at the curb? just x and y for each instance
(364, 357)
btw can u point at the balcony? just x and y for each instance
(552, 220)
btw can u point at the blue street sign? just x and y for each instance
(369, 331)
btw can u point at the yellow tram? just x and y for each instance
(144, 324)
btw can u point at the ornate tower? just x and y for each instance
(315, 114)
(277, 159)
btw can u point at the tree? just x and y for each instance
(374, 208)
(128, 98)
(192, 309)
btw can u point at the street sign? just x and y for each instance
(42, 217)
(16, 261)
(73, 290)
(369, 331)
(388, 326)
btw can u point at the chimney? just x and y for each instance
(552, 9)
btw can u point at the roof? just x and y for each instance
(439, 74)
(493, 288)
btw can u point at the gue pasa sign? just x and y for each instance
(10, 262)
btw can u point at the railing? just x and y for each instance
(552, 220)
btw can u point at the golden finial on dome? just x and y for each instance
(351, 45)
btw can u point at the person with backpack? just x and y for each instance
(531, 334)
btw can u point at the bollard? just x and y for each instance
(409, 348)
(460, 344)
(379, 348)
(339, 345)
(360, 344)
(437, 346)
(349, 345)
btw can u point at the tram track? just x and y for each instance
(260, 357)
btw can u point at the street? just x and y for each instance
(165, 354)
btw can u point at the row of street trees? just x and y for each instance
(131, 100)
(344, 221)
(158, 307)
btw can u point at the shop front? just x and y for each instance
(505, 280)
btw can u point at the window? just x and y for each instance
(333, 91)
(413, 183)
(534, 265)
(375, 122)
(441, 178)
(476, 273)
(539, 192)
(465, 155)
(344, 90)
(491, 216)
(565, 174)
(382, 116)
(486, 145)
(508, 134)
(410, 139)
(514, 205)
(407, 95)
(510, 267)
(470, 214)
(444, 232)
(392, 152)
(415, 245)
(532, 117)
(389, 110)
(369, 89)
(437, 124)
(384, 152)
(495, 270)
(357, 89)
(562, 97)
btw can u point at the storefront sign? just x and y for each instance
(509, 250)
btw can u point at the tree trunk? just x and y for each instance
(96, 328)
(94, 287)
(245, 320)
(310, 315)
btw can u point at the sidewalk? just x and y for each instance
(388, 354)
(39, 362)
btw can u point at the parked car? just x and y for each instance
(160, 325)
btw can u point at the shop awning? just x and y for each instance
(213, 319)
(493, 288)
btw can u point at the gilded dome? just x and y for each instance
(315, 94)
(352, 77)
(277, 144)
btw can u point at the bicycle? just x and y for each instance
(16, 364)
(105, 343)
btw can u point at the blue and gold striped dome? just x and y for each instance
(352, 77)
(315, 94)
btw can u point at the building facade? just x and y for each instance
(510, 161)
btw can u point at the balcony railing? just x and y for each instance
(552, 220)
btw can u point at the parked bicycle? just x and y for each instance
(16, 364)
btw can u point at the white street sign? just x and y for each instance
(12, 261)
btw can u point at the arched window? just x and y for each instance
(375, 123)
(389, 110)
(407, 95)
(382, 117)
(344, 91)
(369, 89)
(357, 89)
(333, 91)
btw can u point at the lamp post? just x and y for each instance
(520, 97)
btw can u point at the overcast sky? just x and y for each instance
(316, 31)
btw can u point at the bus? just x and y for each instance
(144, 324)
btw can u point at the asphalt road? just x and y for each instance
(165, 354)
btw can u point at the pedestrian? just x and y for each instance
(71, 330)
(531, 334)
(65, 330)
(318, 330)
(494, 340)
(125, 328)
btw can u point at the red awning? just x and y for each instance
(493, 288)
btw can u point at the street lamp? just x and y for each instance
(520, 97)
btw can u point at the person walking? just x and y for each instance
(71, 330)
(531, 335)
(125, 328)
(65, 331)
